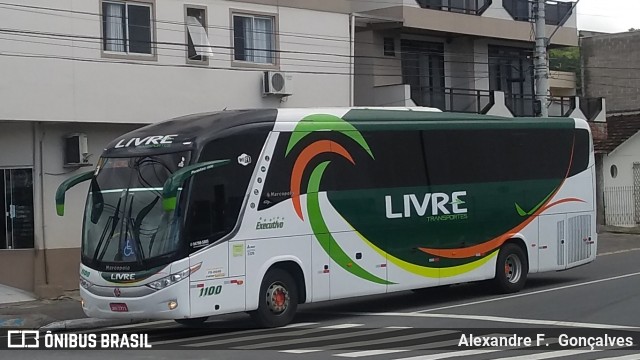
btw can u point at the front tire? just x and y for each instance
(277, 300)
(511, 269)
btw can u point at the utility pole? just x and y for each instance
(541, 65)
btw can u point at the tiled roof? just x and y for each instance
(619, 129)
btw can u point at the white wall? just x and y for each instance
(623, 158)
(64, 90)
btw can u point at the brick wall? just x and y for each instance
(612, 70)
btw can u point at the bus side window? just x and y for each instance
(217, 196)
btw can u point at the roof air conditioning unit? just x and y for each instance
(277, 83)
(76, 150)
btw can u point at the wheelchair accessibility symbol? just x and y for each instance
(128, 249)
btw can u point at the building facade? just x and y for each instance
(610, 70)
(460, 55)
(79, 73)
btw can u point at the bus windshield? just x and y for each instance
(125, 226)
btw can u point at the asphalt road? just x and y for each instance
(597, 299)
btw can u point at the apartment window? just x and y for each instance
(423, 70)
(254, 38)
(126, 27)
(389, 46)
(198, 45)
(511, 71)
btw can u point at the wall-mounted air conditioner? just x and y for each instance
(76, 150)
(277, 83)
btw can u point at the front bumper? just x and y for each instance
(151, 306)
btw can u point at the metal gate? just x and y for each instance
(636, 192)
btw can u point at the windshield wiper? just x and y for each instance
(113, 220)
(138, 222)
(130, 227)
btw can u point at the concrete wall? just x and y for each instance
(143, 91)
(605, 58)
(372, 67)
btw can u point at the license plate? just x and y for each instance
(119, 307)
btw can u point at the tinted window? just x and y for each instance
(581, 151)
(139, 29)
(398, 161)
(477, 156)
(217, 195)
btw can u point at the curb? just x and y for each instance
(87, 323)
(620, 229)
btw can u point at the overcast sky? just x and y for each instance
(608, 15)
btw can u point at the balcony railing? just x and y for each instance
(562, 106)
(556, 12)
(591, 107)
(454, 99)
(521, 105)
(471, 7)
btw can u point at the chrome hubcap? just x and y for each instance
(277, 298)
(513, 268)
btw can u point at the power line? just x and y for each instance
(397, 67)
(183, 46)
(226, 29)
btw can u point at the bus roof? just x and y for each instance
(186, 132)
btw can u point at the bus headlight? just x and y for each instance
(173, 278)
(85, 283)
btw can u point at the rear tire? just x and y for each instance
(192, 322)
(277, 300)
(511, 269)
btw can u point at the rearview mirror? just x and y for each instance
(66, 185)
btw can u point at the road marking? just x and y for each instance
(451, 354)
(446, 355)
(299, 325)
(341, 326)
(549, 355)
(341, 335)
(392, 339)
(368, 353)
(301, 351)
(531, 293)
(399, 327)
(501, 319)
(618, 252)
(273, 333)
(243, 332)
(442, 344)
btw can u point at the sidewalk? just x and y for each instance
(21, 310)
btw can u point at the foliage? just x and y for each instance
(567, 59)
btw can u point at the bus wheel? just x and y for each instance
(278, 300)
(191, 322)
(511, 269)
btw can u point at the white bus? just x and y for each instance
(262, 210)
